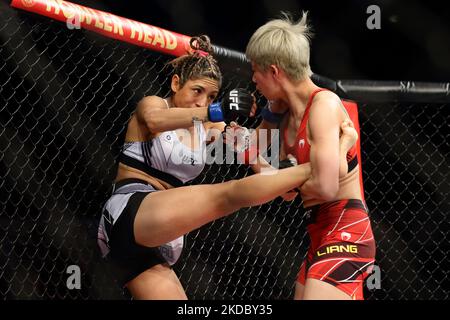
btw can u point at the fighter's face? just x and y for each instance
(264, 81)
(195, 93)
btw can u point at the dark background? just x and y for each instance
(412, 44)
(66, 96)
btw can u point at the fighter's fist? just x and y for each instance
(237, 138)
(237, 102)
(348, 135)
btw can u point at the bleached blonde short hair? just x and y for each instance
(285, 43)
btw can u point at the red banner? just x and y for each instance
(123, 29)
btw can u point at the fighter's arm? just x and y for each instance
(324, 127)
(153, 112)
(255, 136)
(157, 118)
(261, 164)
(278, 108)
(214, 131)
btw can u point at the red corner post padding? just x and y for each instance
(109, 25)
(352, 109)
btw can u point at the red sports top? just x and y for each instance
(301, 148)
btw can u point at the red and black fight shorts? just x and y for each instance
(342, 249)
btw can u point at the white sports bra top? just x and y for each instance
(167, 154)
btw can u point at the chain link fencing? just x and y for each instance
(65, 98)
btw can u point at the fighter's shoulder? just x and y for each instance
(151, 102)
(326, 101)
(327, 97)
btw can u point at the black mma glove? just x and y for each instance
(286, 163)
(290, 161)
(237, 102)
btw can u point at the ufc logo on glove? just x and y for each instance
(234, 97)
(236, 102)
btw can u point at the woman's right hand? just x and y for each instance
(236, 137)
